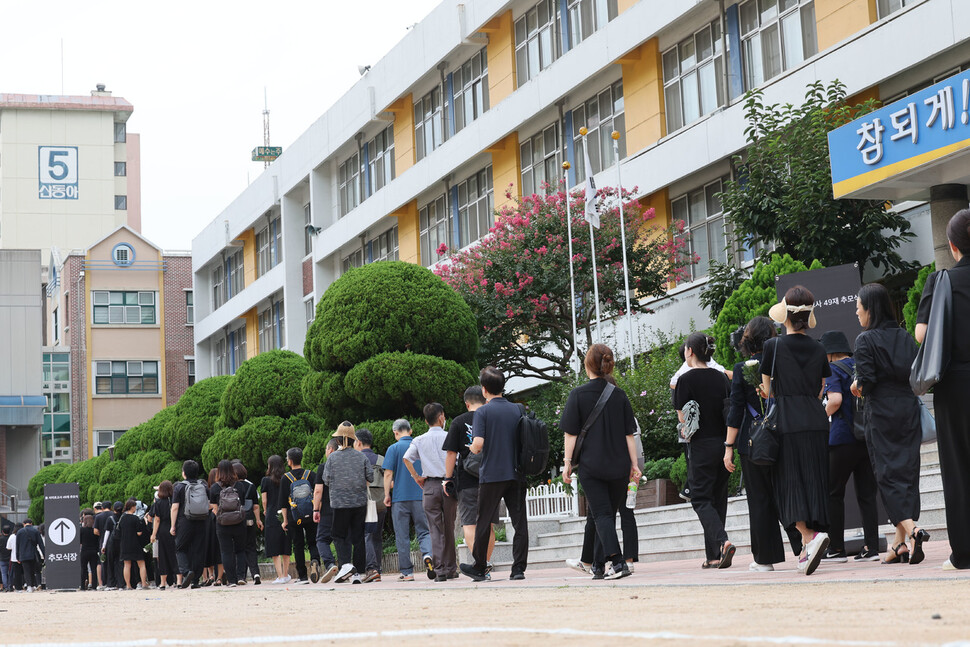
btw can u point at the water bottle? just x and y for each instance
(631, 495)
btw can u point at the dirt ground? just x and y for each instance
(667, 603)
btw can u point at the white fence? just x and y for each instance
(546, 501)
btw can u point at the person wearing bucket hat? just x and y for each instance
(848, 454)
(347, 474)
(794, 368)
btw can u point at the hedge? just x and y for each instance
(265, 385)
(913, 296)
(194, 416)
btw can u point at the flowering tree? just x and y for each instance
(516, 280)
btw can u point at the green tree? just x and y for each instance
(913, 297)
(265, 385)
(194, 416)
(782, 195)
(516, 280)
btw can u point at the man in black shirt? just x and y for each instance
(189, 533)
(5, 557)
(101, 513)
(323, 517)
(456, 444)
(300, 528)
(29, 542)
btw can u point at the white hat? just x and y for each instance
(779, 312)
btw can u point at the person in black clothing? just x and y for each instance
(130, 530)
(323, 517)
(215, 572)
(254, 523)
(5, 554)
(189, 533)
(706, 388)
(884, 355)
(101, 513)
(607, 461)
(276, 543)
(29, 542)
(802, 468)
(302, 531)
(109, 548)
(766, 543)
(161, 512)
(230, 518)
(950, 394)
(89, 554)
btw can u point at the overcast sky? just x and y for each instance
(195, 73)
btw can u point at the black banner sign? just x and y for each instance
(62, 537)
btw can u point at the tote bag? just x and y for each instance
(763, 443)
(933, 356)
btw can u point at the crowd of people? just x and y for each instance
(838, 413)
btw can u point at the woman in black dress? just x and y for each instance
(799, 366)
(884, 355)
(950, 394)
(275, 539)
(89, 554)
(214, 572)
(706, 473)
(161, 513)
(130, 530)
(767, 546)
(608, 460)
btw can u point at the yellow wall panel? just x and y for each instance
(248, 238)
(623, 5)
(506, 170)
(837, 20)
(404, 151)
(501, 57)
(252, 333)
(408, 233)
(643, 96)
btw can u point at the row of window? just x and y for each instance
(272, 332)
(365, 172)
(230, 351)
(269, 246)
(472, 201)
(116, 307)
(126, 377)
(383, 247)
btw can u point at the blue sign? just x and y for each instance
(57, 172)
(902, 136)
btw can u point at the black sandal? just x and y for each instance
(898, 557)
(707, 564)
(727, 554)
(919, 536)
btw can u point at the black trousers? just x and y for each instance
(232, 546)
(17, 576)
(374, 540)
(593, 550)
(708, 482)
(348, 536)
(89, 569)
(190, 544)
(252, 551)
(604, 498)
(766, 542)
(113, 565)
(845, 461)
(303, 535)
(953, 437)
(489, 497)
(31, 572)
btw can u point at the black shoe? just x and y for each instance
(598, 573)
(685, 494)
(475, 574)
(428, 564)
(187, 580)
(835, 556)
(314, 571)
(257, 580)
(441, 578)
(867, 555)
(515, 577)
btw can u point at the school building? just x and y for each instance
(488, 97)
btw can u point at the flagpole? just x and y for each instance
(626, 274)
(574, 357)
(592, 243)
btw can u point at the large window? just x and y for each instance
(235, 275)
(189, 307)
(601, 115)
(476, 204)
(536, 40)
(107, 438)
(350, 178)
(693, 76)
(383, 247)
(269, 246)
(380, 155)
(236, 348)
(121, 132)
(429, 125)
(56, 430)
(119, 308)
(218, 289)
(190, 371)
(57, 368)
(435, 223)
(471, 89)
(541, 157)
(221, 357)
(886, 7)
(775, 35)
(586, 16)
(704, 220)
(272, 334)
(126, 377)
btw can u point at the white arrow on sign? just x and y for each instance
(62, 531)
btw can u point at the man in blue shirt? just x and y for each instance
(403, 496)
(495, 431)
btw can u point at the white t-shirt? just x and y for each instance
(684, 368)
(12, 547)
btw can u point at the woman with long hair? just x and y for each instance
(767, 546)
(214, 571)
(607, 460)
(89, 554)
(130, 529)
(703, 390)
(276, 542)
(884, 355)
(227, 498)
(161, 512)
(794, 368)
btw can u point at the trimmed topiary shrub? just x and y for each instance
(255, 441)
(268, 384)
(150, 462)
(35, 488)
(171, 472)
(913, 296)
(194, 416)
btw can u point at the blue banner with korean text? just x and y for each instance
(901, 136)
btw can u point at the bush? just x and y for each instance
(151, 434)
(111, 492)
(116, 471)
(255, 441)
(194, 416)
(35, 488)
(171, 472)
(141, 488)
(150, 462)
(268, 384)
(913, 297)
(85, 474)
(754, 298)
(658, 469)
(678, 474)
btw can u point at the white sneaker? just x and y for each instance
(344, 573)
(578, 565)
(30, 589)
(814, 552)
(948, 566)
(761, 568)
(286, 579)
(629, 566)
(356, 579)
(278, 580)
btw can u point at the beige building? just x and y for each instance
(69, 170)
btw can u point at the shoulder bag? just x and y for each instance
(594, 414)
(933, 356)
(763, 444)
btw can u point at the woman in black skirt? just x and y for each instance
(884, 355)
(89, 553)
(799, 366)
(130, 531)
(951, 393)
(161, 512)
(275, 539)
(213, 554)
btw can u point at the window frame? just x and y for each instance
(122, 167)
(603, 138)
(471, 89)
(431, 231)
(531, 38)
(126, 377)
(429, 121)
(483, 206)
(189, 307)
(350, 183)
(527, 151)
(121, 203)
(674, 84)
(773, 26)
(593, 10)
(704, 196)
(102, 303)
(380, 160)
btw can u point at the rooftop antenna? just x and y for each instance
(266, 153)
(265, 123)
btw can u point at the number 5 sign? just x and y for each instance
(57, 172)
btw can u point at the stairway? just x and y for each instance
(673, 532)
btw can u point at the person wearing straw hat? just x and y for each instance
(347, 473)
(794, 368)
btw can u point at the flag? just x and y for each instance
(591, 215)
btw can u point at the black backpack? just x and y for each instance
(533, 444)
(858, 421)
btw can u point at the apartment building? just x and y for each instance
(484, 100)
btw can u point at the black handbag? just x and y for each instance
(933, 355)
(594, 414)
(763, 442)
